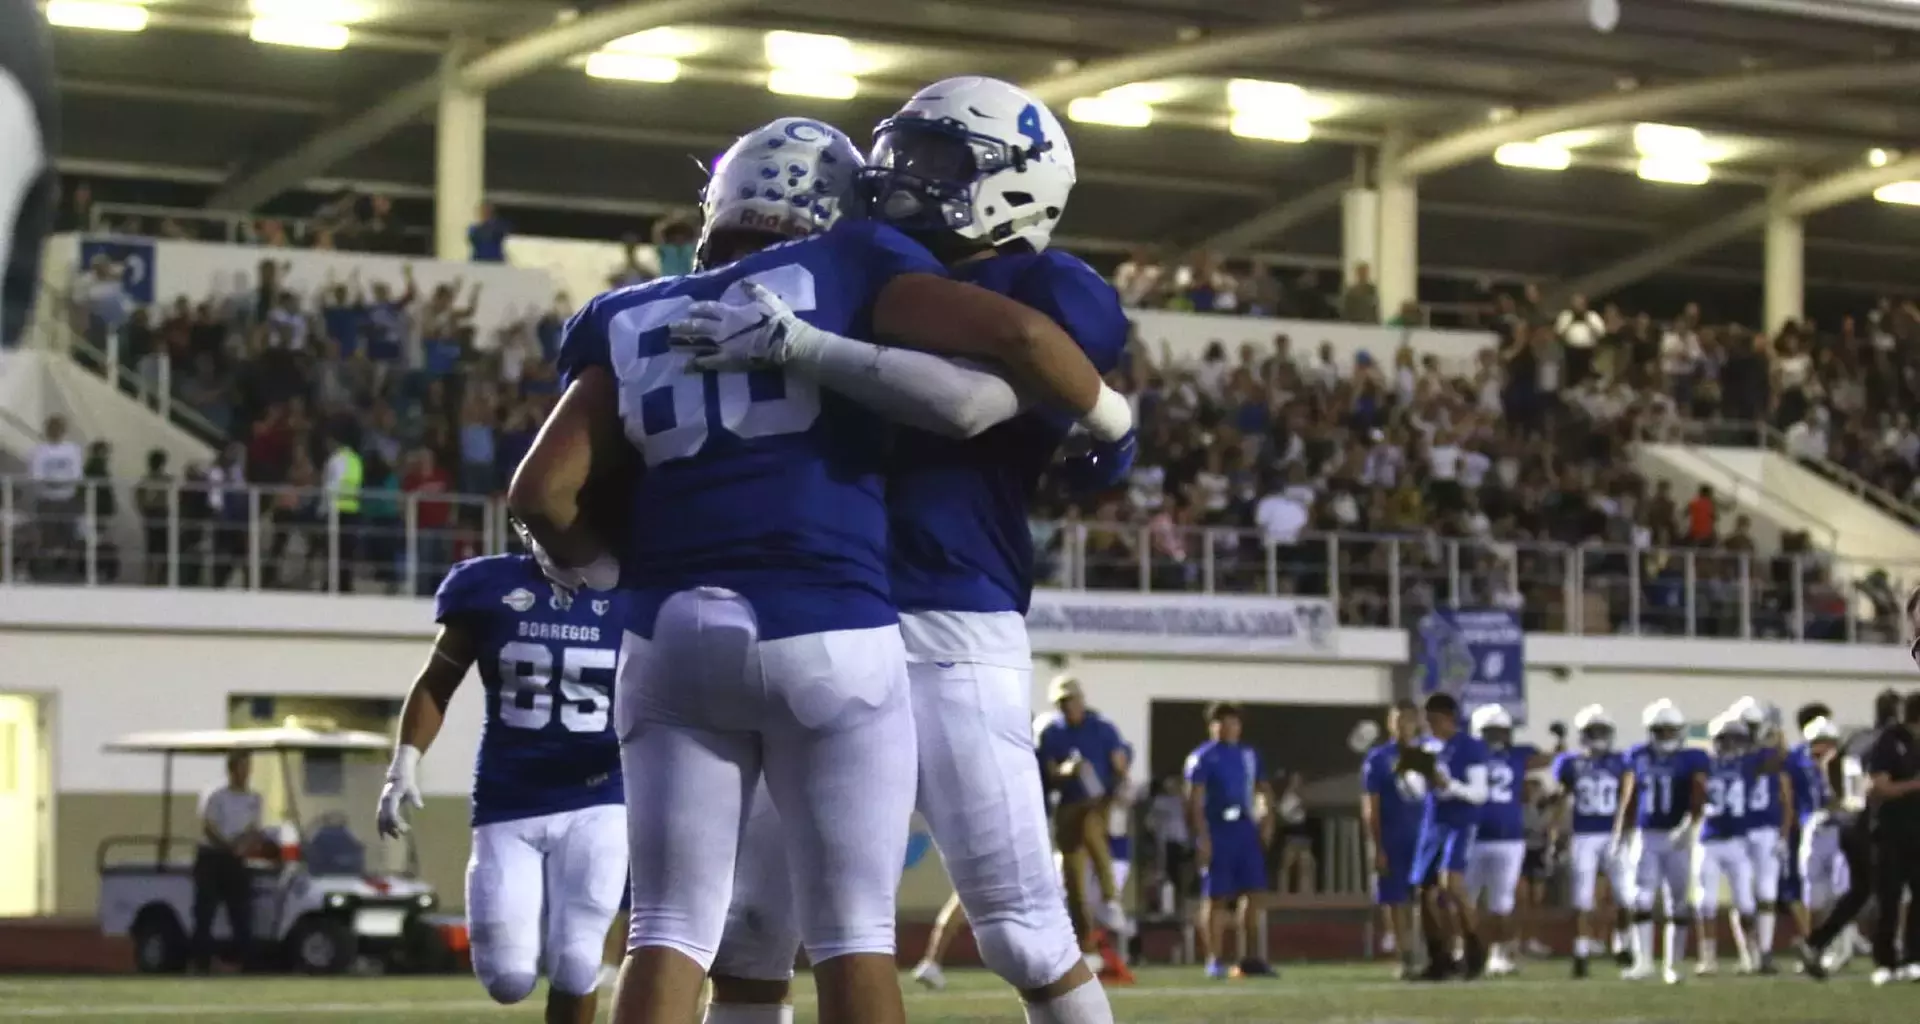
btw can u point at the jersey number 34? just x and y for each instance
(668, 411)
(528, 681)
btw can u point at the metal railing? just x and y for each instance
(261, 537)
(1761, 434)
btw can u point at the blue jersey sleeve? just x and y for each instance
(1374, 776)
(1197, 764)
(865, 255)
(1562, 770)
(583, 343)
(463, 591)
(1077, 298)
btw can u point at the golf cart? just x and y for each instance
(316, 907)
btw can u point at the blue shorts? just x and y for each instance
(1392, 887)
(1238, 866)
(1443, 848)
(1793, 888)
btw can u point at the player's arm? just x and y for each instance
(1370, 820)
(580, 445)
(1623, 814)
(421, 717)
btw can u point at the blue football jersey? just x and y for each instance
(1763, 794)
(758, 482)
(1808, 781)
(1730, 782)
(1227, 774)
(1504, 815)
(547, 664)
(1399, 812)
(1593, 785)
(958, 508)
(1664, 782)
(1456, 755)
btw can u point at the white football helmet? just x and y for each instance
(1729, 733)
(1760, 716)
(1664, 724)
(973, 157)
(792, 178)
(1820, 730)
(1594, 727)
(1492, 724)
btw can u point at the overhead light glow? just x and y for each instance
(1143, 92)
(1669, 140)
(331, 12)
(632, 67)
(1571, 139)
(1270, 127)
(1255, 95)
(1534, 156)
(1671, 170)
(809, 51)
(826, 85)
(101, 17)
(1110, 111)
(1902, 193)
(310, 35)
(1877, 157)
(665, 41)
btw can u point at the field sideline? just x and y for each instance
(1165, 995)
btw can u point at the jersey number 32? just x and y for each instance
(528, 681)
(667, 409)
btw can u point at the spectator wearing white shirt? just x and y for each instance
(229, 828)
(1580, 330)
(1444, 456)
(1285, 511)
(56, 465)
(1137, 279)
(1807, 438)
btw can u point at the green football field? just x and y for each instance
(1309, 995)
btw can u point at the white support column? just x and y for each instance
(460, 160)
(1398, 255)
(1785, 276)
(1359, 221)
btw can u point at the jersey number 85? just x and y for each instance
(528, 680)
(670, 413)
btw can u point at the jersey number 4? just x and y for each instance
(528, 681)
(670, 413)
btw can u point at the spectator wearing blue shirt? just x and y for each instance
(1224, 777)
(1456, 781)
(1085, 758)
(1390, 813)
(487, 237)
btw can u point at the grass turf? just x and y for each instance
(1166, 995)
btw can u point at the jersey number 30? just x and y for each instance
(528, 680)
(666, 408)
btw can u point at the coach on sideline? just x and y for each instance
(229, 826)
(1085, 756)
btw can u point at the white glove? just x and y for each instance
(1681, 834)
(402, 789)
(758, 333)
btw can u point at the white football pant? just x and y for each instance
(762, 937)
(1659, 865)
(703, 708)
(1822, 868)
(1589, 854)
(1763, 850)
(1730, 859)
(548, 885)
(1493, 871)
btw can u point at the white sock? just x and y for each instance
(1708, 952)
(1622, 939)
(1763, 931)
(1084, 1005)
(1582, 946)
(1676, 942)
(1643, 942)
(749, 1013)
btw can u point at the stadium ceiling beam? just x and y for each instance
(488, 71)
(1830, 191)
(1460, 147)
(1293, 37)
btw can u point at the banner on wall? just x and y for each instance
(1478, 655)
(1077, 622)
(135, 257)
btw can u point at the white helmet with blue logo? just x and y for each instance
(792, 178)
(975, 158)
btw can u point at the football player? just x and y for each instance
(1225, 784)
(549, 861)
(1770, 810)
(1500, 842)
(1722, 850)
(1590, 780)
(1456, 789)
(761, 638)
(980, 172)
(1661, 792)
(27, 150)
(1817, 856)
(1390, 810)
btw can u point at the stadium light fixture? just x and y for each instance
(826, 85)
(665, 41)
(809, 51)
(1670, 141)
(1112, 111)
(1673, 170)
(1877, 157)
(97, 15)
(330, 12)
(1272, 111)
(1900, 193)
(1270, 127)
(632, 67)
(308, 35)
(1534, 156)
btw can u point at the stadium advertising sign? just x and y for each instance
(1476, 654)
(1069, 622)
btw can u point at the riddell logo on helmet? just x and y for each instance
(757, 220)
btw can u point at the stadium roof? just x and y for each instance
(1770, 90)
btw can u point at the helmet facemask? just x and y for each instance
(924, 177)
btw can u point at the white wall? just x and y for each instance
(579, 267)
(1187, 335)
(1865, 532)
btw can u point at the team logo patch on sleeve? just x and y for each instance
(519, 600)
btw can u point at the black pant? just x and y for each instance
(1896, 867)
(220, 879)
(1858, 851)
